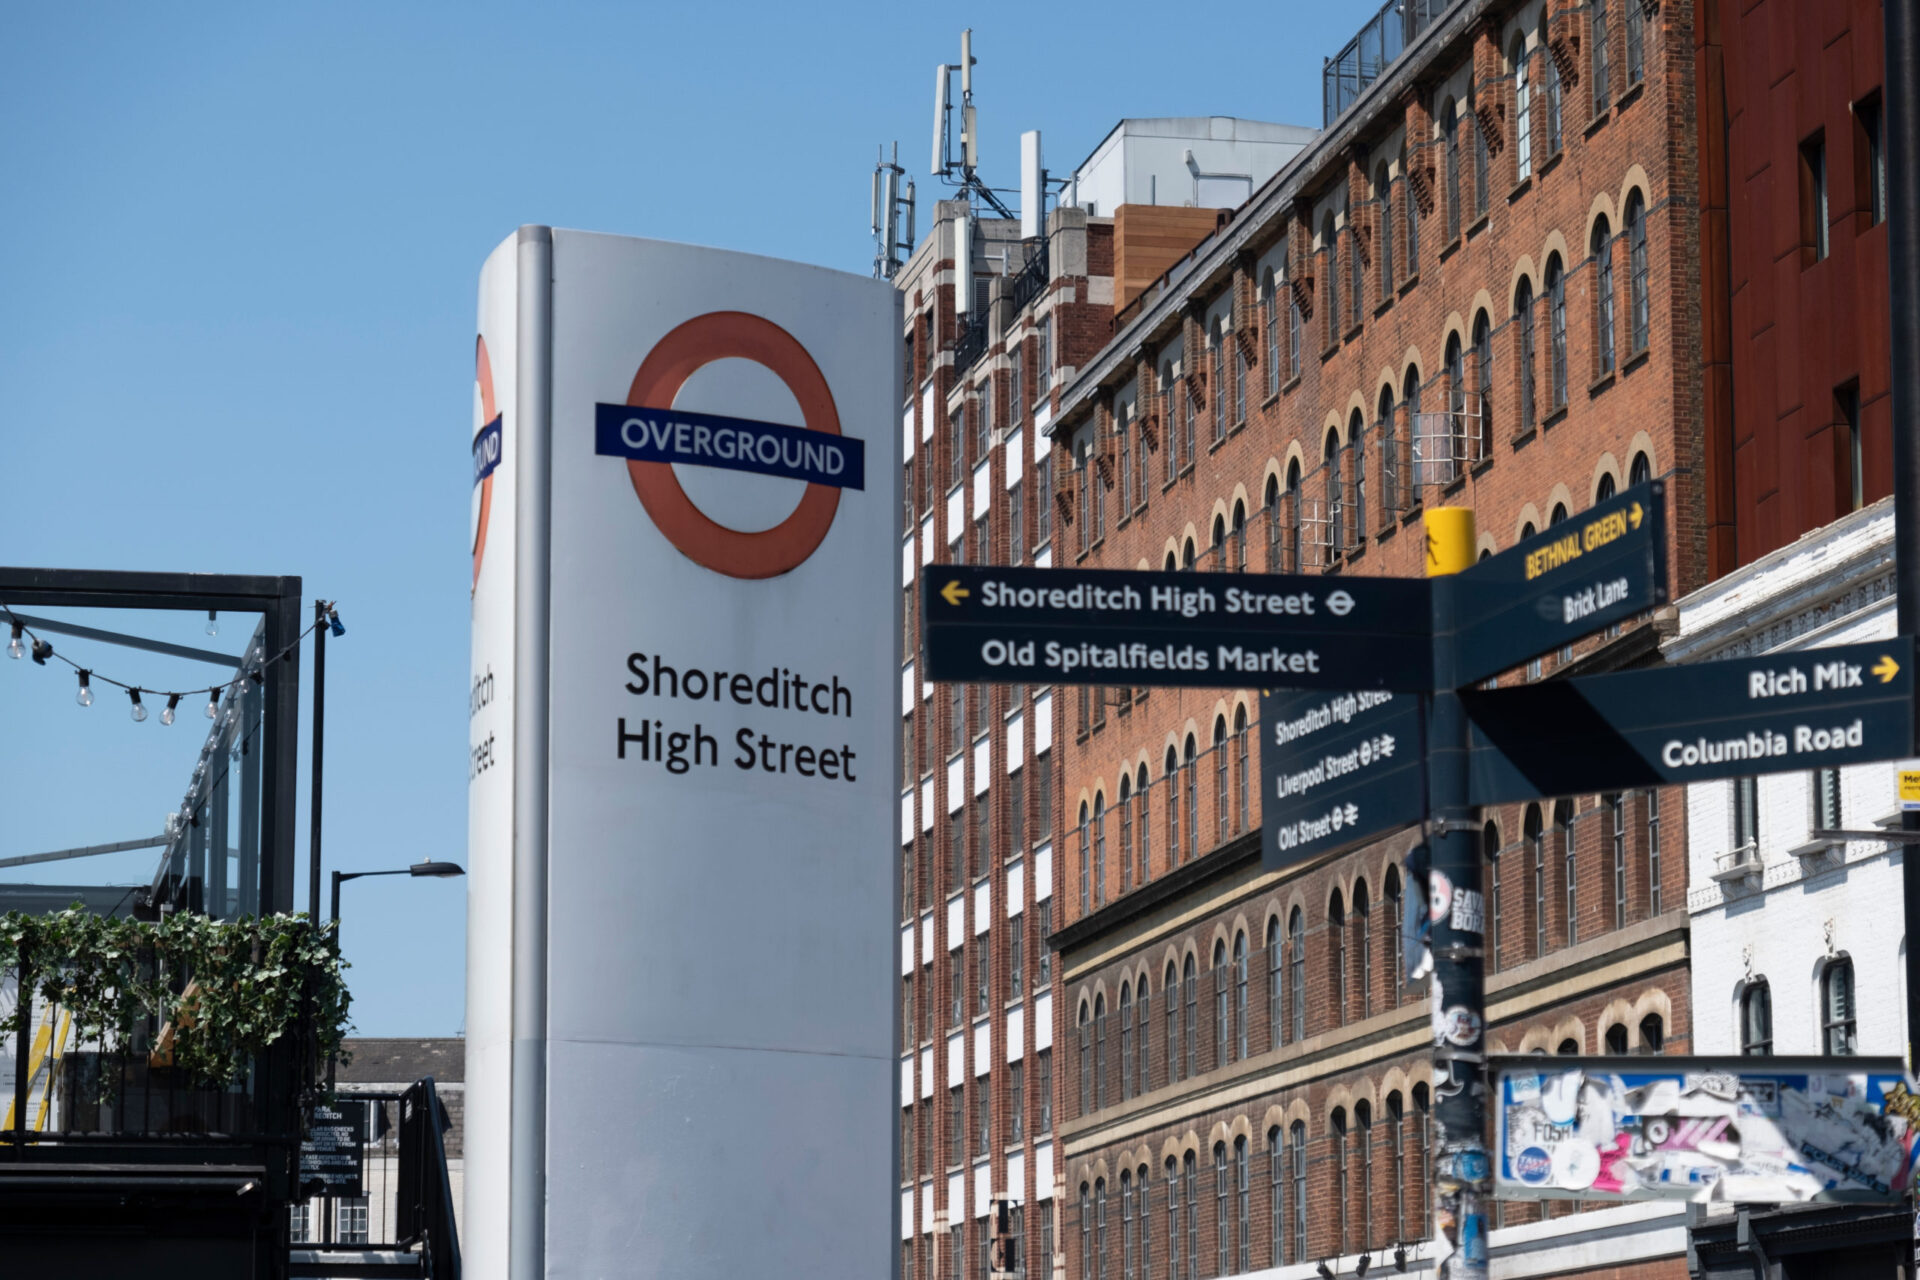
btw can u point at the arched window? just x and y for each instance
(1640, 471)
(1363, 946)
(1336, 495)
(1086, 1233)
(1605, 489)
(1653, 1033)
(1244, 1253)
(1192, 771)
(1187, 555)
(1123, 431)
(1217, 549)
(1276, 1207)
(1189, 979)
(1270, 326)
(1143, 1051)
(1337, 957)
(1383, 193)
(1217, 381)
(1146, 1230)
(1086, 867)
(1099, 848)
(1297, 971)
(1602, 35)
(1450, 130)
(1276, 990)
(1357, 447)
(1483, 376)
(1396, 941)
(1086, 1058)
(1170, 440)
(1294, 333)
(1363, 1123)
(1756, 1019)
(1490, 850)
(1126, 833)
(1221, 799)
(1412, 203)
(1556, 328)
(1100, 1229)
(1221, 1231)
(1553, 100)
(1357, 289)
(1479, 164)
(1569, 871)
(1240, 994)
(1126, 1225)
(1569, 1048)
(1142, 799)
(1397, 1144)
(1099, 1052)
(1522, 110)
(1443, 467)
(1298, 1141)
(1531, 829)
(1389, 457)
(1838, 1035)
(1170, 992)
(1242, 790)
(1126, 1042)
(1616, 1039)
(1558, 515)
(1173, 1219)
(1237, 537)
(1601, 246)
(1342, 1178)
(1173, 809)
(1636, 219)
(1293, 516)
(1330, 243)
(1523, 317)
(1272, 512)
(1222, 1011)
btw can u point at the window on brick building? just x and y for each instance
(1221, 798)
(982, 992)
(1337, 957)
(1087, 1262)
(1555, 95)
(1189, 980)
(1193, 1214)
(1297, 1136)
(1222, 1010)
(1143, 1045)
(1276, 1199)
(1170, 442)
(983, 1118)
(1294, 327)
(1099, 848)
(957, 444)
(1601, 247)
(1522, 109)
(1170, 992)
(1602, 37)
(1143, 825)
(1636, 43)
(1450, 131)
(1043, 1089)
(1217, 381)
(1412, 204)
(1638, 313)
(1123, 437)
(957, 1133)
(1016, 947)
(1389, 457)
(1043, 503)
(1814, 245)
(1191, 769)
(1357, 495)
(1383, 196)
(1126, 833)
(1357, 286)
(1529, 355)
(1173, 1219)
(1239, 385)
(1870, 160)
(1297, 971)
(1556, 333)
(1336, 515)
(1363, 946)
(1270, 327)
(983, 423)
(1342, 1178)
(1243, 1253)
(1563, 824)
(1849, 467)
(1536, 845)
(1126, 1225)
(1397, 1146)
(1617, 843)
(1291, 535)
(1490, 855)
(1173, 808)
(1653, 1033)
(1480, 164)
(1241, 779)
(1086, 1058)
(1043, 364)
(1016, 383)
(1188, 410)
(1616, 1040)
(1223, 1264)
(1395, 933)
(1330, 247)
(1086, 864)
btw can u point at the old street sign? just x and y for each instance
(1337, 769)
(1113, 627)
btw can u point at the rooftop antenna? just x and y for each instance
(892, 216)
(968, 163)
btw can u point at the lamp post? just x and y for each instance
(438, 870)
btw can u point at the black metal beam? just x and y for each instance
(34, 622)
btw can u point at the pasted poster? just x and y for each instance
(1733, 1130)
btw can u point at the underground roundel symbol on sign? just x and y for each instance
(652, 442)
(486, 450)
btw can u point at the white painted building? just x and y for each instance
(1797, 940)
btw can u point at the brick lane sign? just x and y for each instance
(1585, 573)
(1810, 709)
(1176, 629)
(330, 1154)
(1337, 769)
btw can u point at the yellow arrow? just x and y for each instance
(953, 593)
(1886, 669)
(1634, 515)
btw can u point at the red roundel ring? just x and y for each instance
(721, 335)
(483, 374)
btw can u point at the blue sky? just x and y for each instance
(237, 286)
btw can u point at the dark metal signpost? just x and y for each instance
(1370, 722)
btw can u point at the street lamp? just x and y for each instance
(438, 870)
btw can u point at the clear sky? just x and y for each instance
(238, 258)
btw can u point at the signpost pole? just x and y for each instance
(1461, 1169)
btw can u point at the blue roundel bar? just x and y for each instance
(732, 444)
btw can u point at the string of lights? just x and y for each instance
(41, 649)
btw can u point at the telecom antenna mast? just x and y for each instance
(892, 216)
(944, 163)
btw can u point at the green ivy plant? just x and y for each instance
(243, 985)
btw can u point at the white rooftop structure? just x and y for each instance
(1204, 162)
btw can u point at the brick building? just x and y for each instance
(1479, 286)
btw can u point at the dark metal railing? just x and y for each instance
(970, 345)
(1032, 280)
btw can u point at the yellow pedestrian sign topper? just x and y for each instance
(1909, 790)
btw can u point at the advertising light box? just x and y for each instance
(682, 763)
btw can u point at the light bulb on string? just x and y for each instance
(85, 696)
(139, 707)
(213, 703)
(213, 622)
(16, 649)
(166, 714)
